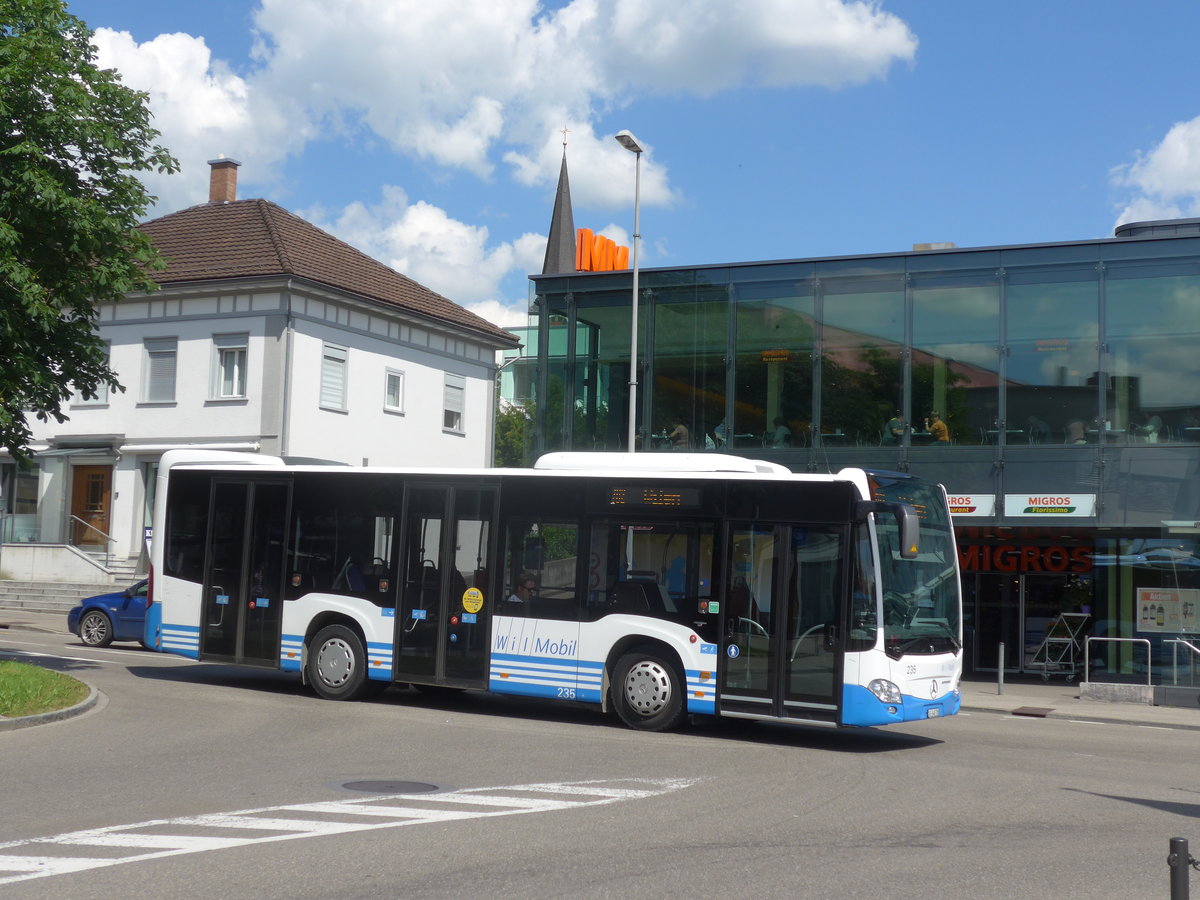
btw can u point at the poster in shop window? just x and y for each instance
(1168, 610)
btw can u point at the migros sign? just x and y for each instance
(1024, 558)
(1043, 505)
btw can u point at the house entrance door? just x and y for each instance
(91, 498)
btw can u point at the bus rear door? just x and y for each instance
(781, 640)
(243, 576)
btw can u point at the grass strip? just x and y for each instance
(27, 690)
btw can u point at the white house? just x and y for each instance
(268, 335)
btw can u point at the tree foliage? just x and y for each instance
(514, 429)
(72, 138)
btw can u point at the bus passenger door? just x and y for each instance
(243, 579)
(781, 641)
(445, 607)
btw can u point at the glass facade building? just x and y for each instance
(1054, 389)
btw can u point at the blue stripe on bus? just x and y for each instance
(181, 639)
(702, 691)
(379, 661)
(538, 676)
(861, 707)
(291, 652)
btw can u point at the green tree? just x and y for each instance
(71, 138)
(514, 427)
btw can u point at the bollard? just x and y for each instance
(1178, 860)
(1000, 677)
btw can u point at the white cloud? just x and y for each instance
(428, 246)
(1166, 181)
(506, 315)
(201, 107)
(705, 46)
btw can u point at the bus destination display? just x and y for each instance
(639, 495)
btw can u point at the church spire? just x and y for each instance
(560, 246)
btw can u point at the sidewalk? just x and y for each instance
(1055, 699)
(1058, 699)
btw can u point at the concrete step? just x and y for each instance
(50, 596)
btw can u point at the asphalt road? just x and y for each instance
(191, 780)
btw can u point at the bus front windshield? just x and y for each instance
(921, 597)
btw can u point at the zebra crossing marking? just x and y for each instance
(160, 838)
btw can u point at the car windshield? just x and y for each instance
(920, 596)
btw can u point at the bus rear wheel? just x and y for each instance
(337, 664)
(647, 692)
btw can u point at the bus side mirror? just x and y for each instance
(910, 527)
(908, 523)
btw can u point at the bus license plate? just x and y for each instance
(933, 713)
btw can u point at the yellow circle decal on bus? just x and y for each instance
(472, 600)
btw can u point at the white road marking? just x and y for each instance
(158, 838)
(29, 654)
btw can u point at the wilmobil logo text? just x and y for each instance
(1042, 506)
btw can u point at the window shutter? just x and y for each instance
(452, 402)
(333, 377)
(160, 371)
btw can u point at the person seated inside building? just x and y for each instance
(1149, 430)
(893, 430)
(680, 440)
(782, 436)
(937, 428)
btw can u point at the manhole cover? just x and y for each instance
(390, 787)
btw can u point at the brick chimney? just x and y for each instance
(222, 180)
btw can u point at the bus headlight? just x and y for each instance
(884, 691)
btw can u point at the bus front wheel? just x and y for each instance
(647, 692)
(337, 664)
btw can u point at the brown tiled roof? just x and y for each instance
(249, 238)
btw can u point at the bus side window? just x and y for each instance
(554, 547)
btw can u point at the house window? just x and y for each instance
(452, 403)
(393, 391)
(101, 398)
(158, 382)
(229, 366)
(333, 377)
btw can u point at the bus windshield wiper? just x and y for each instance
(897, 649)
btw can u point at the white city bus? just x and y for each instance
(657, 585)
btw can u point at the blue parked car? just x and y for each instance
(120, 616)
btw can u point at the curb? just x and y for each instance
(1084, 717)
(57, 715)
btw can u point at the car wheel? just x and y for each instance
(337, 664)
(95, 629)
(647, 692)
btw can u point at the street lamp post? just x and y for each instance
(630, 143)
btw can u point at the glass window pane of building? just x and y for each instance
(955, 353)
(861, 372)
(686, 393)
(1152, 325)
(775, 334)
(1052, 328)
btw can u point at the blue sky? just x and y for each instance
(427, 134)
